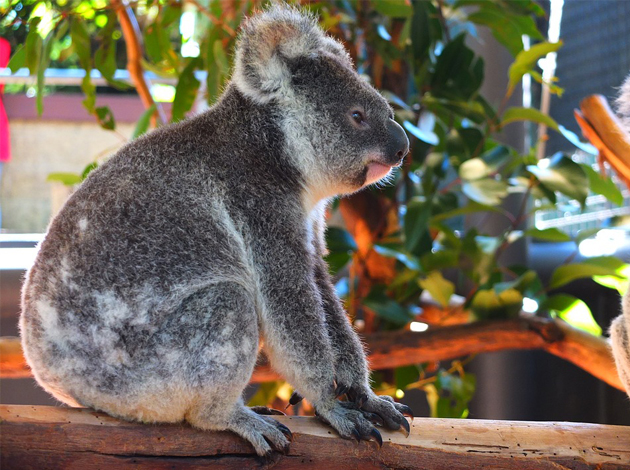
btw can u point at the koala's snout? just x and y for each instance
(397, 143)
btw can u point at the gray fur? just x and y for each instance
(620, 327)
(157, 278)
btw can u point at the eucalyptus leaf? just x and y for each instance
(548, 235)
(598, 266)
(143, 122)
(526, 60)
(528, 114)
(563, 175)
(603, 185)
(440, 289)
(425, 136)
(486, 191)
(574, 311)
(185, 91)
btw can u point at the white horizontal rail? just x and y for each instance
(73, 77)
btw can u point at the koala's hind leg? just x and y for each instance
(223, 346)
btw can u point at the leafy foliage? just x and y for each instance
(418, 53)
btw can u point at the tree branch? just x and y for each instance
(403, 348)
(133, 37)
(36, 437)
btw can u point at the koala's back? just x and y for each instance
(104, 306)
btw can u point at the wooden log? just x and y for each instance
(402, 348)
(38, 437)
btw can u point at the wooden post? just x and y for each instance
(38, 437)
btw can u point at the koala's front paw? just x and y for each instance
(349, 422)
(392, 413)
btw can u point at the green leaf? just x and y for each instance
(486, 191)
(69, 179)
(585, 233)
(416, 223)
(18, 60)
(33, 47)
(573, 311)
(526, 60)
(488, 304)
(185, 91)
(405, 375)
(340, 240)
(507, 27)
(603, 185)
(81, 42)
(90, 93)
(387, 308)
(265, 394)
(90, 167)
(548, 234)
(458, 72)
(220, 58)
(420, 32)
(397, 252)
(563, 175)
(618, 282)
(528, 114)
(143, 122)
(598, 266)
(450, 394)
(105, 117)
(440, 289)
(474, 169)
(393, 8)
(470, 208)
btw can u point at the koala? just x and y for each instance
(620, 327)
(158, 279)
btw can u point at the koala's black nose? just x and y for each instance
(397, 142)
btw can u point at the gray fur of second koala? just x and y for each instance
(156, 279)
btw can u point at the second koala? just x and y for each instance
(158, 277)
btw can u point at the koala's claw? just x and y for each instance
(341, 390)
(405, 410)
(286, 431)
(264, 410)
(377, 437)
(295, 398)
(405, 424)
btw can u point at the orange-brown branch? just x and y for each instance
(402, 348)
(131, 33)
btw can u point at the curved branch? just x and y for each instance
(403, 348)
(133, 38)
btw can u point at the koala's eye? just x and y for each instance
(358, 117)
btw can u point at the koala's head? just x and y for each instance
(339, 130)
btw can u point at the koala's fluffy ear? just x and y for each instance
(623, 104)
(268, 40)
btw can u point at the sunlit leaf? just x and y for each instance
(548, 235)
(563, 175)
(528, 114)
(440, 289)
(474, 169)
(18, 60)
(486, 191)
(574, 311)
(185, 91)
(68, 179)
(598, 266)
(526, 60)
(425, 136)
(105, 117)
(603, 185)
(143, 122)
(488, 304)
